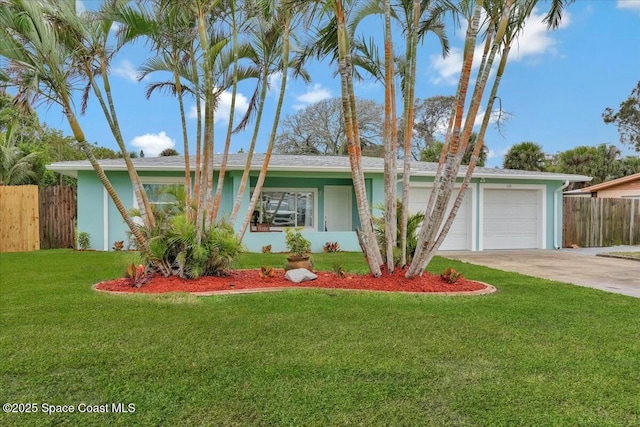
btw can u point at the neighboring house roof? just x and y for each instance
(608, 185)
(294, 163)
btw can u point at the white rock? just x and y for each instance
(298, 275)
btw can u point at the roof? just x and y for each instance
(295, 163)
(612, 183)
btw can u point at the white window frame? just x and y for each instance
(314, 191)
(154, 180)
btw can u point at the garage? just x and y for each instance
(459, 236)
(511, 218)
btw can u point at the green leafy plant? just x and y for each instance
(414, 221)
(338, 269)
(331, 247)
(298, 245)
(84, 240)
(137, 274)
(451, 276)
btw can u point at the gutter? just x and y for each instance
(557, 245)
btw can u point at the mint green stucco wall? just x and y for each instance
(91, 208)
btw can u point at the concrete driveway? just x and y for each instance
(577, 266)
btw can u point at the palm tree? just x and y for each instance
(171, 32)
(265, 36)
(507, 18)
(42, 66)
(415, 26)
(526, 156)
(15, 167)
(93, 54)
(283, 14)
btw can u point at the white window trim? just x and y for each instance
(167, 180)
(296, 190)
(542, 199)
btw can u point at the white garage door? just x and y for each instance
(459, 236)
(511, 219)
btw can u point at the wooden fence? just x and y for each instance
(593, 222)
(32, 219)
(19, 218)
(57, 217)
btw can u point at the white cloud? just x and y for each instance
(224, 107)
(632, 5)
(533, 41)
(80, 7)
(274, 82)
(498, 154)
(316, 94)
(127, 70)
(152, 143)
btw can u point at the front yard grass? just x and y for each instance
(536, 353)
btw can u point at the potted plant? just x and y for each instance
(299, 250)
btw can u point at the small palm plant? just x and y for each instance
(413, 225)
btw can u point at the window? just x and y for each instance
(160, 191)
(293, 208)
(162, 195)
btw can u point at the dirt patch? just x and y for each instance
(243, 281)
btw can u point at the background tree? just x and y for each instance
(627, 119)
(430, 122)
(431, 153)
(169, 152)
(15, 167)
(526, 156)
(601, 162)
(319, 129)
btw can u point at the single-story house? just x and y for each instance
(623, 188)
(502, 209)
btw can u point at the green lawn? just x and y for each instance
(536, 353)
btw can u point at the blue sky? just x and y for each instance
(556, 86)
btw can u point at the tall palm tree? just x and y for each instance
(265, 38)
(42, 66)
(390, 141)
(417, 19)
(171, 32)
(506, 19)
(345, 70)
(284, 14)
(93, 55)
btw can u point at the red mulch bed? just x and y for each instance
(250, 279)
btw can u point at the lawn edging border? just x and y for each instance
(489, 289)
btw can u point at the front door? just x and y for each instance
(337, 208)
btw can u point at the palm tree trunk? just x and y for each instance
(274, 129)
(390, 144)
(371, 249)
(454, 159)
(144, 206)
(447, 171)
(254, 138)
(227, 143)
(78, 135)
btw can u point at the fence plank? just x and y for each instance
(593, 222)
(19, 218)
(57, 217)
